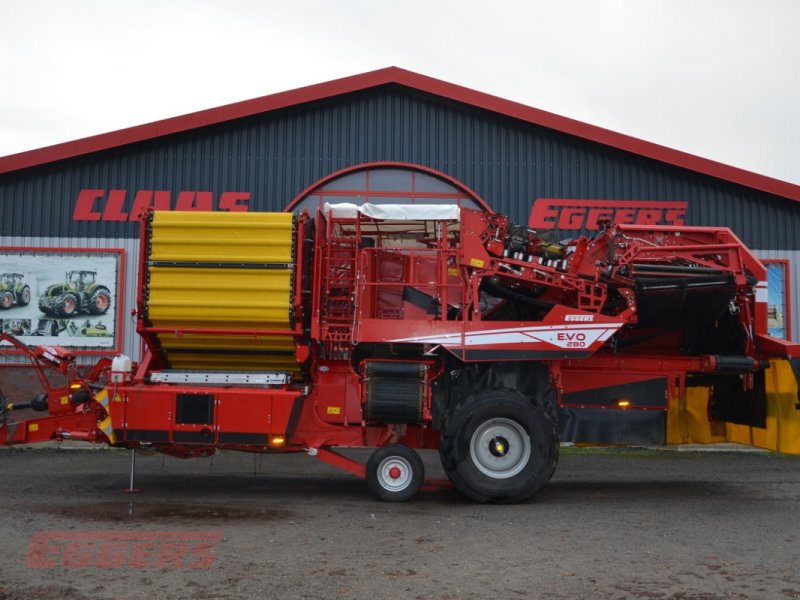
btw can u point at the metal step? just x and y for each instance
(240, 378)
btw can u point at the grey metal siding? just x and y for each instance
(276, 155)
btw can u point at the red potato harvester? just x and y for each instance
(403, 327)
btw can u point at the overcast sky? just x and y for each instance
(716, 78)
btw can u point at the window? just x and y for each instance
(779, 319)
(387, 183)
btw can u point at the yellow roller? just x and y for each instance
(222, 271)
(221, 237)
(196, 343)
(220, 297)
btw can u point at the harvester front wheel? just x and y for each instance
(500, 447)
(395, 473)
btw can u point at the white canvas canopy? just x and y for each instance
(396, 212)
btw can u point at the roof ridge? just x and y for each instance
(424, 83)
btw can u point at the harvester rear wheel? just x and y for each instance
(395, 473)
(499, 447)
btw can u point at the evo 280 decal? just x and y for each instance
(579, 336)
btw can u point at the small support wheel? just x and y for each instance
(395, 473)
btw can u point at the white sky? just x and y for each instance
(716, 78)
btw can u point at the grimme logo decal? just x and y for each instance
(587, 214)
(113, 205)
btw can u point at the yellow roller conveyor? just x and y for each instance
(213, 272)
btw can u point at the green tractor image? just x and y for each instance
(14, 290)
(79, 293)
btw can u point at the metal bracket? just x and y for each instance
(265, 379)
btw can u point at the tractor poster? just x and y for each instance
(67, 298)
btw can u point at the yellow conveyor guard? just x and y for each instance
(687, 418)
(213, 272)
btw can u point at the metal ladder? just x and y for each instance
(338, 301)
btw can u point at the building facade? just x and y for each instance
(70, 212)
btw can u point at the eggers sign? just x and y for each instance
(588, 214)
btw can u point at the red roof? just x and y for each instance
(412, 80)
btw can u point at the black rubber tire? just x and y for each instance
(99, 301)
(530, 452)
(408, 482)
(24, 297)
(67, 305)
(6, 300)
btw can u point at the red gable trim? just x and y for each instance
(409, 79)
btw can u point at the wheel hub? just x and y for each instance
(500, 448)
(394, 473)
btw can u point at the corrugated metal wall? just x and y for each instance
(277, 155)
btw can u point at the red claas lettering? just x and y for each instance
(113, 205)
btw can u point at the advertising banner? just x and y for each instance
(66, 297)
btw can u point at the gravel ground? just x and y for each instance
(611, 524)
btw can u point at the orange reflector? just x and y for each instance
(623, 403)
(75, 386)
(277, 440)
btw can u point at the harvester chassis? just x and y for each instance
(408, 328)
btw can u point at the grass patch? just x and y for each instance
(615, 451)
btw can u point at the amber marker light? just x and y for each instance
(75, 386)
(624, 403)
(277, 441)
